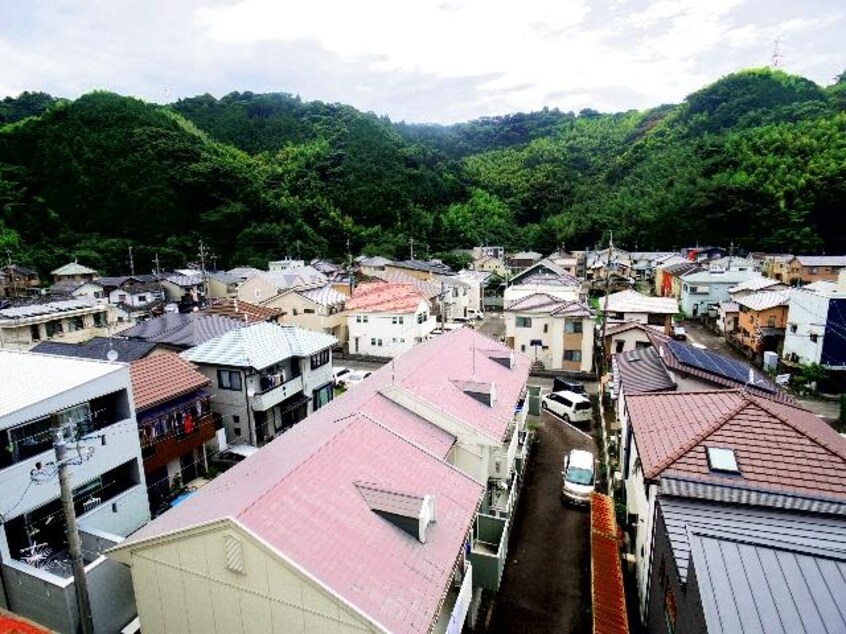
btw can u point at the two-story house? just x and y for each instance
(73, 271)
(558, 334)
(762, 321)
(18, 281)
(668, 275)
(630, 305)
(806, 269)
(320, 308)
(222, 285)
(186, 290)
(816, 323)
(385, 319)
(95, 399)
(544, 277)
(704, 290)
(71, 320)
(411, 479)
(264, 286)
(175, 332)
(265, 378)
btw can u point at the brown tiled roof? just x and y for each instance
(609, 599)
(245, 311)
(777, 446)
(158, 379)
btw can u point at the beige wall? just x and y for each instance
(810, 274)
(184, 585)
(317, 321)
(257, 290)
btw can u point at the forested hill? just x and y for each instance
(758, 158)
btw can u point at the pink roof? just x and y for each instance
(777, 446)
(384, 297)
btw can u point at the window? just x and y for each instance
(398, 320)
(620, 346)
(322, 396)
(572, 355)
(75, 323)
(523, 348)
(422, 318)
(308, 311)
(524, 322)
(793, 327)
(142, 299)
(376, 343)
(319, 359)
(618, 316)
(53, 328)
(573, 326)
(122, 298)
(100, 320)
(229, 380)
(546, 327)
(814, 338)
(361, 319)
(723, 460)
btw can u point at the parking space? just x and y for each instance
(546, 584)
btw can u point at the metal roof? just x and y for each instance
(764, 300)
(324, 296)
(384, 297)
(27, 378)
(259, 346)
(547, 273)
(607, 589)
(72, 268)
(293, 278)
(185, 281)
(641, 370)
(183, 330)
(758, 589)
(822, 260)
(98, 348)
(29, 311)
(718, 277)
(756, 283)
(428, 288)
(630, 301)
(545, 304)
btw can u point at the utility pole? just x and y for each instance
(131, 262)
(601, 365)
(411, 242)
(349, 265)
(731, 253)
(156, 261)
(63, 432)
(9, 256)
(203, 253)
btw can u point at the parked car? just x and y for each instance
(354, 378)
(472, 313)
(338, 374)
(562, 383)
(232, 455)
(572, 407)
(679, 333)
(578, 475)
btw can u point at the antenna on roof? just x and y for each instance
(393, 368)
(474, 357)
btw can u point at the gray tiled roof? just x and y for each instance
(98, 348)
(259, 346)
(641, 371)
(182, 330)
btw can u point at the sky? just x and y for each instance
(439, 61)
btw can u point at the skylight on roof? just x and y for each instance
(722, 460)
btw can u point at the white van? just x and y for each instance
(572, 407)
(579, 475)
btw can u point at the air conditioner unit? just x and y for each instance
(89, 504)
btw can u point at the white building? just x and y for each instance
(265, 378)
(816, 321)
(70, 320)
(544, 277)
(556, 333)
(385, 319)
(630, 305)
(110, 492)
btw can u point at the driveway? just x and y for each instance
(698, 334)
(546, 584)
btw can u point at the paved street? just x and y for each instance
(546, 585)
(698, 334)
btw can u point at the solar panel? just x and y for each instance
(720, 365)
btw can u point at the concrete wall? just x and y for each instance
(122, 515)
(183, 585)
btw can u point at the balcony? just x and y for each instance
(158, 452)
(489, 550)
(263, 401)
(457, 603)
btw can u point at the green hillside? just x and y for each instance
(758, 158)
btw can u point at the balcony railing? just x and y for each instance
(263, 401)
(489, 551)
(159, 451)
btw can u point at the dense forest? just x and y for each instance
(757, 158)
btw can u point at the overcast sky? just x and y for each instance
(414, 60)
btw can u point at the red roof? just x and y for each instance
(245, 311)
(609, 598)
(384, 297)
(14, 624)
(777, 446)
(160, 378)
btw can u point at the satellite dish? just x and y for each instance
(112, 355)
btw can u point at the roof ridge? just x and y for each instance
(687, 393)
(699, 437)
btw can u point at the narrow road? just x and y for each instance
(546, 584)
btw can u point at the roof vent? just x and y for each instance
(505, 358)
(407, 511)
(482, 391)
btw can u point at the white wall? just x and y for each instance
(396, 338)
(808, 311)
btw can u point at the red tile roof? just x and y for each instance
(609, 598)
(245, 311)
(160, 378)
(384, 297)
(777, 446)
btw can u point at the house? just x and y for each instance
(385, 319)
(728, 316)
(437, 434)
(556, 333)
(185, 290)
(175, 332)
(94, 398)
(222, 285)
(244, 311)
(497, 252)
(775, 266)
(704, 290)
(630, 305)
(433, 290)
(285, 264)
(816, 323)
(175, 421)
(740, 568)
(726, 447)
(643, 263)
(805, 269)
(455, 297)
(372, 265)
(69, 288)
(134, 302)
(421, 269)
(668, 277)
(703, 254)
(763, 319)
(543, 277)
(629, 335)
(265, 378)
(18, 281)
(523, 260)
(490, 264)
(476, 282)
(320, 309)
(263, 286)
(243, 273)
(71, 320)
(73, 272)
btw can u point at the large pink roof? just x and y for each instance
(384, 297)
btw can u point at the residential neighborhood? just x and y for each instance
(257, 469)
